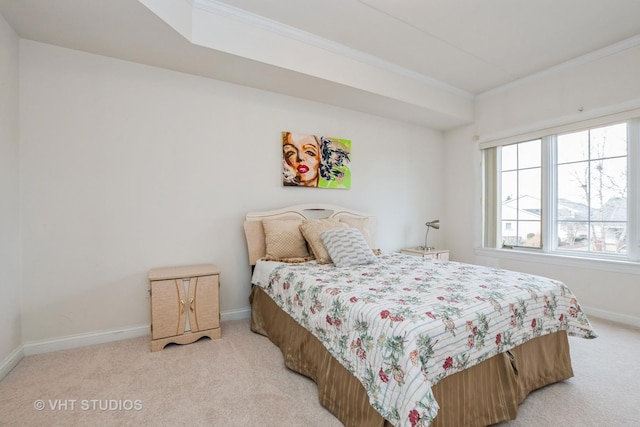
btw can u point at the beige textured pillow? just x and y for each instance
(311, 230)
(362, 224)
(283, 239)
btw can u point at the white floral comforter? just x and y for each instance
(404, 323)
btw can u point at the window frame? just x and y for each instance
(549, 179)
(500, 218)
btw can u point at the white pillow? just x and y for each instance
(347, 247)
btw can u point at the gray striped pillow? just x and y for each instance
(347, 246)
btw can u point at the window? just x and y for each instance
(591, 204)
(575, 192)
(520, 194)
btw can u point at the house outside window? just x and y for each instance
(591, 205)
(520, 194)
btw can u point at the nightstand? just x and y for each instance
(185, 304)
(440, 254)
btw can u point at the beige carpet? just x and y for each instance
(240, 380)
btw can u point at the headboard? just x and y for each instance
(254, 232)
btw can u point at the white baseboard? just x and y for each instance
(11, 361)
(82, 340)
(625, 319)
(243, 313)
(101, 337)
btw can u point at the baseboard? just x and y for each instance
(82, 340)
(624, 319)
(243, 313)
(11, 361)
(101, 337)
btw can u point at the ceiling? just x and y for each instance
(444, 52)
(473, 45)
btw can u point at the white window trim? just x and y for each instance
(549, 236)
(549, 248)
(633, 192)
(560, 128)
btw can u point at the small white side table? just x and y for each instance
(441, 254)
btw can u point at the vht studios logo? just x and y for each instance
(88, 405)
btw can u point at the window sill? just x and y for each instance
(615, 266)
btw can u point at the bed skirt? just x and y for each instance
(485, 394)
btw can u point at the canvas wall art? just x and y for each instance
(315, 161)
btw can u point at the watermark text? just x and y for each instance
(88, 405)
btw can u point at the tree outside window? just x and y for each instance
(591, 205)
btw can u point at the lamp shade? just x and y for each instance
(434, 224)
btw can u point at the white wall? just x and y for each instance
(10, 317)
(127, 167)
(462, 198)
(607, 85)
(603, 86)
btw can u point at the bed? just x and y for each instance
(392, 339)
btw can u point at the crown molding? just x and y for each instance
(565, 66)
(228, 11)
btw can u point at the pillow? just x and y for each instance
(283, 240)
(362, 224)
(347, 247)
(311, 230)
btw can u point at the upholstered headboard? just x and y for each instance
(254, 232)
